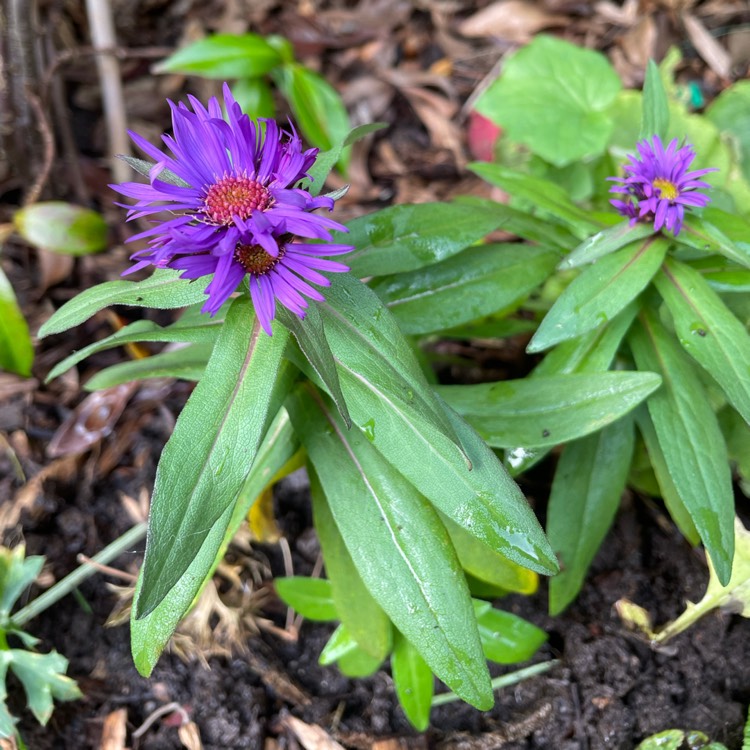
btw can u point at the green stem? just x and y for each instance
(502, 681)
(71, 581)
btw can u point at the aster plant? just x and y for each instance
(643, 327)
(299, 361)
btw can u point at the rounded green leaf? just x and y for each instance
(552, 97)
(311, 597)
(62, 228)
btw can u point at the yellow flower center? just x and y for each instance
(666, 188)
(235, 196)
(255, 260)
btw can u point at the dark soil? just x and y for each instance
(407, 65)
(609, 690)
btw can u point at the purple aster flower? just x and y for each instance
(237, 211)
(658, 186)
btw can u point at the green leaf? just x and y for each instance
(525, 225)
(398, 545)
(729, 113)
(205, 462)
(413, 681)
(205, 330)
(379, 375)
(17, 573)
(317, 107)
(144, 167)
(311, 337)
(605, 242)
(655, 107)
(358, 663)
(150, 634)
(16, 348)
(669, 739)
(363, 617)
(691, 441)
(62, 228)
(600, 292)
(541, 193)
(407, 237)
(255, 97)
(718, 233)
(484, 564)
(708, 331)
(546, 411)
(164, 290)
(476, 282)
(391, 402)
(552, 96)
(507, 638)
(589, 480)
(43, 678)
(667, 489)
(311, 597)
(186, 363)
(224, 56)
(592, 352)
(339, 645)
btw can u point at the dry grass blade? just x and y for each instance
(717, 58)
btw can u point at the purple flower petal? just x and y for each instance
(658, 185)
(240, 212)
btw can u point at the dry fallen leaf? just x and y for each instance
(93, 419)
(114, 730)
(190, 736)
(708, 48)
(511, 20)
(311, 736)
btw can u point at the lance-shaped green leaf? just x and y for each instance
(476, 282)
(708, 331)
(605, 242)
(353, 661)
(211, 449)
(506, 638)
(593, 352)
(718, 233)
(600, 292)
(204, 330)
(224, 56)
(150, 634)
(655, 119)
(541, 193)
(363, 617)
(413, 681)
(547, 411)
(144, 167)
(669, 493)
(406, 237)
(164, 290)
(311, 337)
(310, 597)
(16, 349)
(399, 546)
(485, 565)
(690, 439)
(589, 480)
(390, 401)
(376, 364)
(186, 363)
(525, 225)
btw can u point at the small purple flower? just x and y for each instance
(237, 212)
(658, 185)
